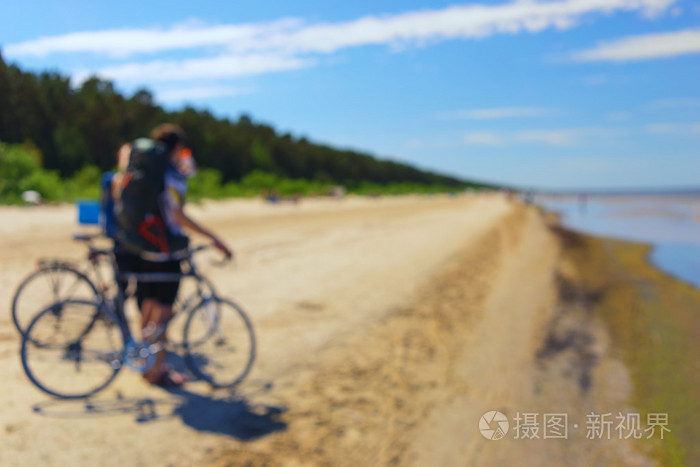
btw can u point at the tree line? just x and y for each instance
(72, 128)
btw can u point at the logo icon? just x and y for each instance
(493, 425)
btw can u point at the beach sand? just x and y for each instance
(386, 328)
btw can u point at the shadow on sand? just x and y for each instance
(228, 414)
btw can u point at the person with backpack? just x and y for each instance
(149, 208)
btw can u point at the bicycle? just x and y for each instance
(66, 280)
(93, 339)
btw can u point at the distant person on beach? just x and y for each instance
(151, 232)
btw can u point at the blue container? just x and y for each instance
(88, 212)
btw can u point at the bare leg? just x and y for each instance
(154, 319)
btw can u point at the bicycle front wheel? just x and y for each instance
(219, 342)
(73, 349)
(192, 291)
(50, 284)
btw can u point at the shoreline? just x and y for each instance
(653, 320)
(670, 224)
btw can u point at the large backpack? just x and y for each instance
(138, 210)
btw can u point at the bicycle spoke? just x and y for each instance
(46, 286)
(219, 343)
(72, 289)
(73, 353)
(53, 279)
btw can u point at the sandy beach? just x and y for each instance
(386, 328)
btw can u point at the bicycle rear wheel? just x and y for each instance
(73, 349)
(50, 284)
(219, 342)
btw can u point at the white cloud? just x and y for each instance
(577, 165)
(662, 128)
(483, 139)
(673, 128)
(127, 42)
(292, 36)
(414, 143)
(674, 103)
(497, 113)
(618, 117)
(196, 93)
(235, 50)
(645, 47)
(228, 66)
(550, 137)
(594, 80)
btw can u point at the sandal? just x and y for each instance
(169, 378)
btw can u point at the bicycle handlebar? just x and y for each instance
(83, 237)
(199, 248)
(219, 263)
(167, 276)
(95, 252)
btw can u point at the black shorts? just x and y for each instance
(164, 292)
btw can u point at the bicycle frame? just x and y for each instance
(127, 277)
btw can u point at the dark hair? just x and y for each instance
(168, 133)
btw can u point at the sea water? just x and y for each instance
(670, 223)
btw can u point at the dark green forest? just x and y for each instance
(74, 133)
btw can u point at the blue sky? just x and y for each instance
(550, 94)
